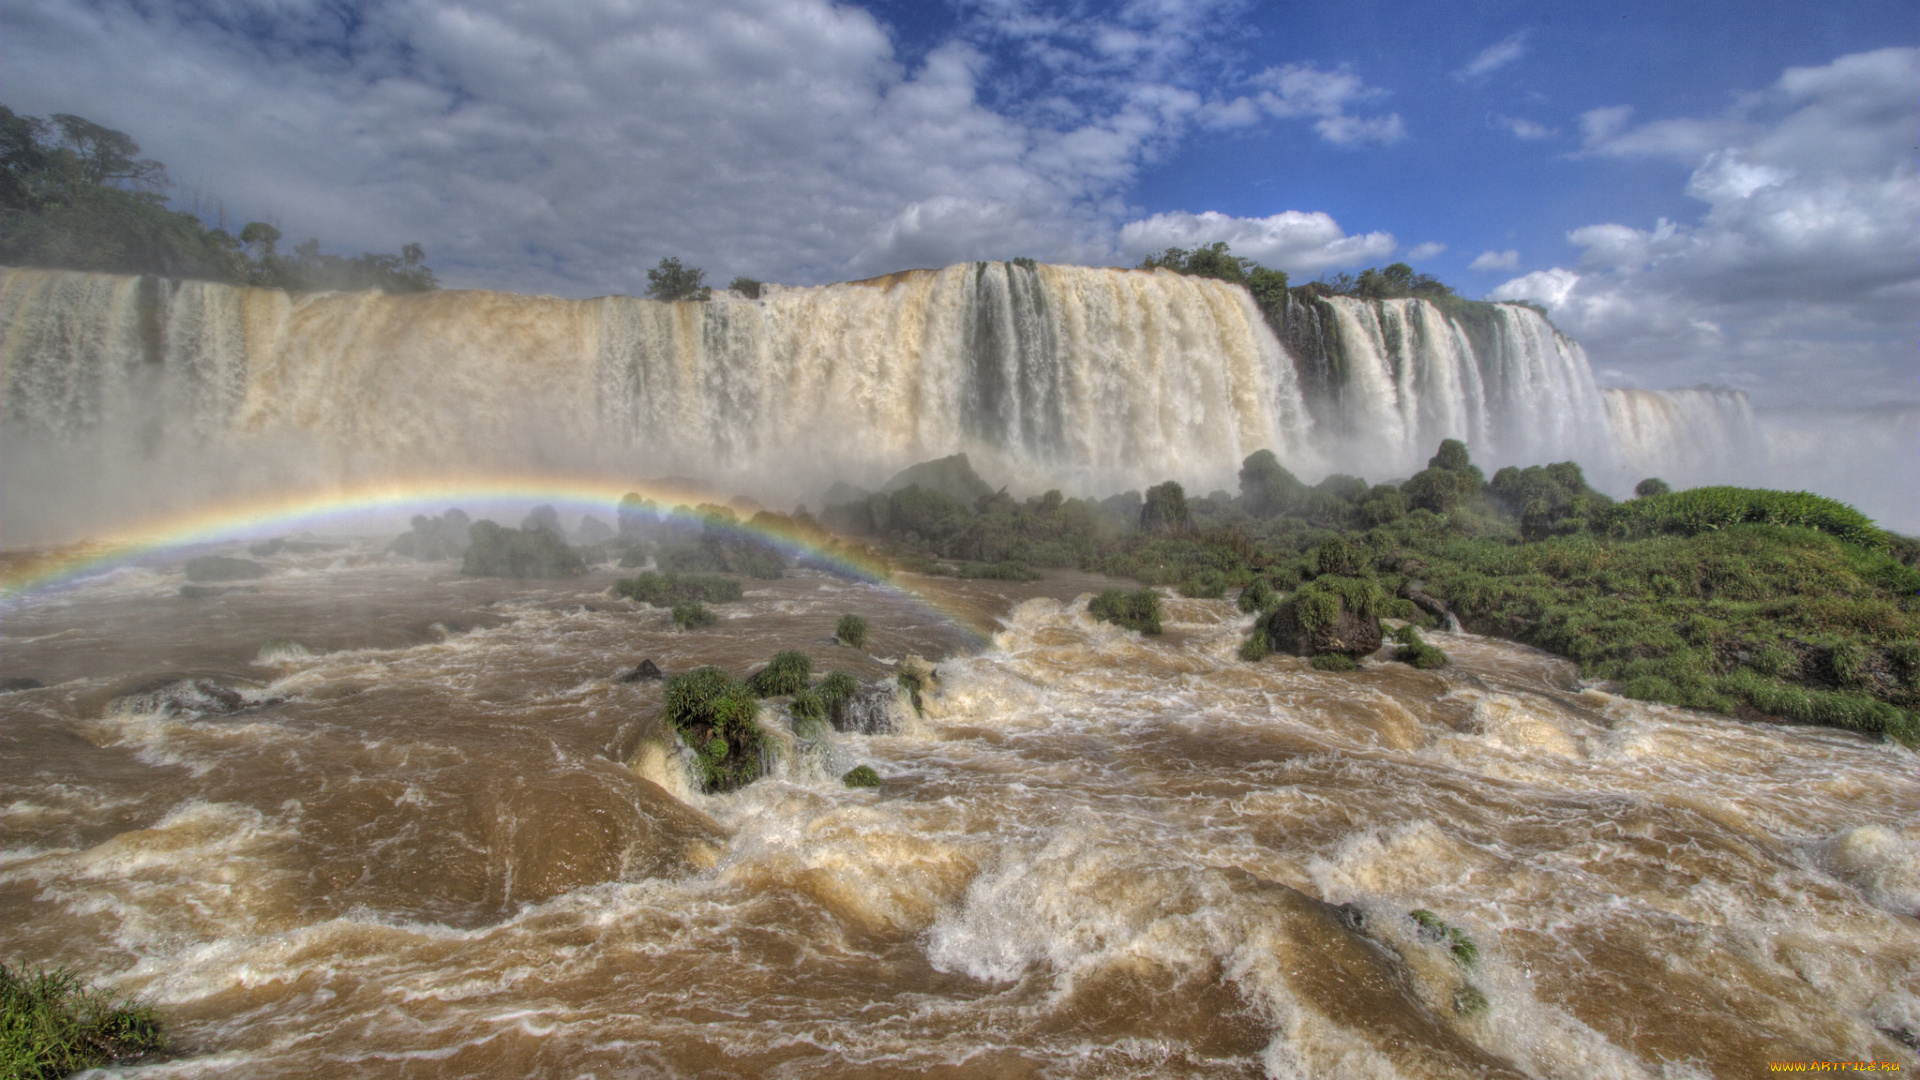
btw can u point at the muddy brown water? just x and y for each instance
(376, 819)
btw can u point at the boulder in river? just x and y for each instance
(645, 671)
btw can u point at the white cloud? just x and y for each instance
(1300, 243)
(1495, 56)
(1803, 274)
(566, 148)
(1328, 96)
(1496, 260)
(1423, 252)
(1525, 129)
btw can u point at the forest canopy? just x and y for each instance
(75, 195)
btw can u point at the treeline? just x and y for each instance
(1765, 604)
(75, 195)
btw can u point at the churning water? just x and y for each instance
(376, 819)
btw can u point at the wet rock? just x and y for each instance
(593, 532)
(1416, 591)
(1331, 615)
(869, 711)
(194, 696)
(19, 682)
(645, 671)
(431, 538)
(223, 568)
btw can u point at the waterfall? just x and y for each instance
(1685, 437)
(125, 393)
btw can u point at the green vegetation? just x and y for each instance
(1652, 485)
(1165, 509)
(1711, 508)
(1394, 282)
(692, 614)
(746, 287)
(75, 195)
(1416, 650)
(786, 673)
(53, 1024)
(861, 776)
(666, 590)
(1334, 661)
(1433, 928)
(852, 631)
(718, 718)
(672, 281)
(724, 546)
(1138, 610)
(1268, 286)
(516, 553)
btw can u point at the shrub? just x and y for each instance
(746, 287)
(1266, 487)
(719, 718)
(517, 553)
(1698, 510)
(1258, 596)
(692, 615)
(1651, 486)
(852, 631)
(861, 776)
(52, 1024)
(809, 714)
(1334, 661)
(1341, 559)
(666, 590)
(1165, 508)
(1137, 610)
(1206, 585)
(1256, 647)
(786, 673)
(1416, 650)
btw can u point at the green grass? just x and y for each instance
(52, 1024)
(1136, 610)
(666, 590)
(718, 717)
(852, 631)
(1416, 650)
(692, 615)
(786, 673)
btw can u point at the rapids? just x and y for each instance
(367, 817)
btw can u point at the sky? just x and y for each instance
(1704, 193)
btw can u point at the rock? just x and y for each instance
(869, 711)
(1416, 591)
(645, 671)
(1330, 615)
(19, 682)
(199, 696)
(518, 553)
(434, 538)
(223, 568)
(950, 476)
(593, 531)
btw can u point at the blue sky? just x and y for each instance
(1720, 193)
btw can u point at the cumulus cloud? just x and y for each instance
(566, 148)
(1302, 244)
(1496, 260)
(1495, 56)
(1423, 252)
(1804, 271)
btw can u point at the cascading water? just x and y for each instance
(1684, 436)
(135, 394)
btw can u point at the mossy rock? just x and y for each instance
(1459, 945)
(692, 615)
(719, 718)
(1334, 661)
(861, 776)
(1416, 650)
(1330, 614)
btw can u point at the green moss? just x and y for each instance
(1258, 596)
(53, 1024)
(1137, 610)
(692, 615)
(1334, 662)
(786, 673)
(1256, 647)
(861, 776)
(852, 631)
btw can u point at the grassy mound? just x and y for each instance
(692, 615)
(1416, 650)
(1137, 610)
(852, 631)
(786, 673)
(718, 717)
(666, 590)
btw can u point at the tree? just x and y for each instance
(1650, 487)
(746, 287)
(672, 281)
(1266, 487)
(1165, 508)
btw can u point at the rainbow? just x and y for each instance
(26, 573)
